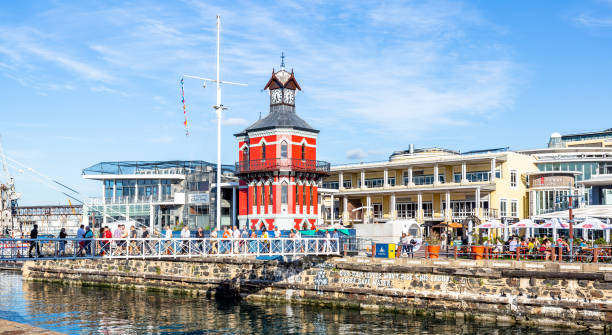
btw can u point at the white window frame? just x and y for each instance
(514, 211)
(503, 210)
(513, 175)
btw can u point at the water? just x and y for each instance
(92, 310)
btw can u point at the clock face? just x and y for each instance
(275, 97)
(288, 99)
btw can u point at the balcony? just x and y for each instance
(275, 164)
(95, 201)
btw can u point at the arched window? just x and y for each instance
(255, 195)
(303, 151)
(263, 151)
(284, 149)
(311, 195)
(245, 154)
(284, 191)
(270, 194)
(263, 195)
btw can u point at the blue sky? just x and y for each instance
(90, 81)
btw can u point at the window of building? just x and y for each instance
(263, 195)
(503, 207)
(284, 149)
(311, 196)
(331, 184)
(513, 178)
(474, 177)
(377, 210)
(304, 195)
(245, 154)
(270, 195)
(255, 195)
(347, 183)
(108, 188)
(303, 151)
(263, 151)
(391, 181)
(514, 208)
(284, 191)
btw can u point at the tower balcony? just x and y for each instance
(278, 164)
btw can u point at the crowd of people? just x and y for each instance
(124, 241)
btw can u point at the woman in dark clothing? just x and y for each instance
(62, 244)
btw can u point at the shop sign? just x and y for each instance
(199, 198)
(551, 181)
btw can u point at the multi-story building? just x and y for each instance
(278, 170)
(157, 194)
(434, 185)
(587, 156)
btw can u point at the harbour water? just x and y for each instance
(94, 310)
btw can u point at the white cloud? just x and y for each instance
(234, 121)
(355, 154)
(593, 22)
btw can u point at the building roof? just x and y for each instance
(152, 167)
(279, 119)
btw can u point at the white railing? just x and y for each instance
(129, 200)
(72, 248)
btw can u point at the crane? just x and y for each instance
(8, 201)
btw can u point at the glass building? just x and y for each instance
(157, 194)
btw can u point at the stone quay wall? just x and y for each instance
(534, 293)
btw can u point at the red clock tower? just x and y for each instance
(278, 170)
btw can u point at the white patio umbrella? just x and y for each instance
(492, 224)
(524, 223)
(607, 232)
(592, 223)
(555, 224)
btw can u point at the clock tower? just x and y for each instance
(277, 165)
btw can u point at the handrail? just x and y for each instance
(73, 248)
(272, 164)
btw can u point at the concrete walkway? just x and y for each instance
(15, 328)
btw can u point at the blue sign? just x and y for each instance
(384, 250)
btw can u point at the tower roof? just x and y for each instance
(282, 79)
(280, 119)
(280, 116)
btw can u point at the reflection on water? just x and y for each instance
(86, 310)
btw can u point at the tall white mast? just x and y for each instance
(219, 110)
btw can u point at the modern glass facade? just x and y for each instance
(588, 169)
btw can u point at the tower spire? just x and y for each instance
(282, 60)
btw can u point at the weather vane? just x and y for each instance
(282, 59)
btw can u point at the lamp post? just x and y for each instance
(218, 110)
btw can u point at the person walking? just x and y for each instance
(34, 243)
(168, 238)
(236, 237)
(226, 244)
(106, 235)
(80, 236)
(214, 244)
(62, 244)
(185, 236)
(88, 239)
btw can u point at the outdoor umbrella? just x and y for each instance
(607, 232)
(591, 223)
(493, 224)
(555, 224)
(524, 223)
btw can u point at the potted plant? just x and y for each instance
(433, 245)
(478, 250)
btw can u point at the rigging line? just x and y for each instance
(73, 190)
(36, 172)
(109, 208)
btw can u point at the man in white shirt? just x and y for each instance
(236, 236)
(185, 235)
(168, 236)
